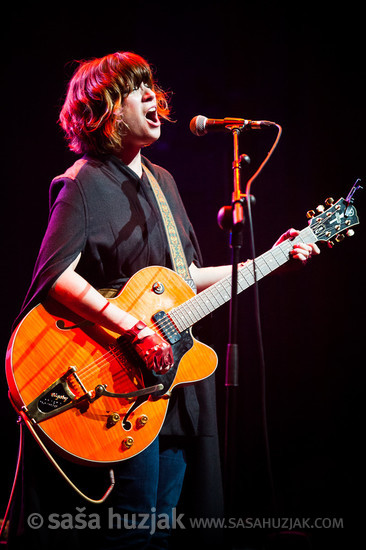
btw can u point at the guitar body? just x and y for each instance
(55, 361)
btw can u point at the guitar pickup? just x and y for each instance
(57, 398)
(166, 327)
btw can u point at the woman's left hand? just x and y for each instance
(301, 251)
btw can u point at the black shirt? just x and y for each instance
(104, 211)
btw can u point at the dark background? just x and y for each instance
(301, 65)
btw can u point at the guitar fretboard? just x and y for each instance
(196, 308)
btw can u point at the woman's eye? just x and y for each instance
(144, 84)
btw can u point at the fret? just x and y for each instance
(307, 236)
(281, 253)
(224, 292)
(262, 266)
(185, 319)
(177, 318)
(242, 284)
(212, 293)
(247, 273)
(270, 260)
(202, 306)
(217, 296)
(189, 313)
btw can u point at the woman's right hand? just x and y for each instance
(156, 352)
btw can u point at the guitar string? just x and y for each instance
(115, 352)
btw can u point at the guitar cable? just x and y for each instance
(20, 420)
(64, 475)
(19, 458)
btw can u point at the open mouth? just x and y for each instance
(152, 116)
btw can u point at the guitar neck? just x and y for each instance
(196, 308)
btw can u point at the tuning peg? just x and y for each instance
(339, 238)
(350, 233)
(310, 214)
(329, 201)
(320, 208)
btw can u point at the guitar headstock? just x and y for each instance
(335, 219)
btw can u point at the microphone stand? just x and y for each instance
(232, 356)
(232, 218)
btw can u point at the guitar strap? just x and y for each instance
(177, 255)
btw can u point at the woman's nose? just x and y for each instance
(147, 91)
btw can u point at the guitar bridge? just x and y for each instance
(58, 397)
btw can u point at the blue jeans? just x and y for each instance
(141, 507)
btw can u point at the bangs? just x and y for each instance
(135, 71)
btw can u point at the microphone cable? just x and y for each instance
(258, 320)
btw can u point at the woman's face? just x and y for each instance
(139, 113)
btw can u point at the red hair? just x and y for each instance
(91, 114)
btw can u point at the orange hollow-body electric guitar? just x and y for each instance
(82, 388)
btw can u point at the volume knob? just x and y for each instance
(128, 442)
(158, 288)
(113, 419)
(142, 420)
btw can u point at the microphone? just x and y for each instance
(200, 125)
